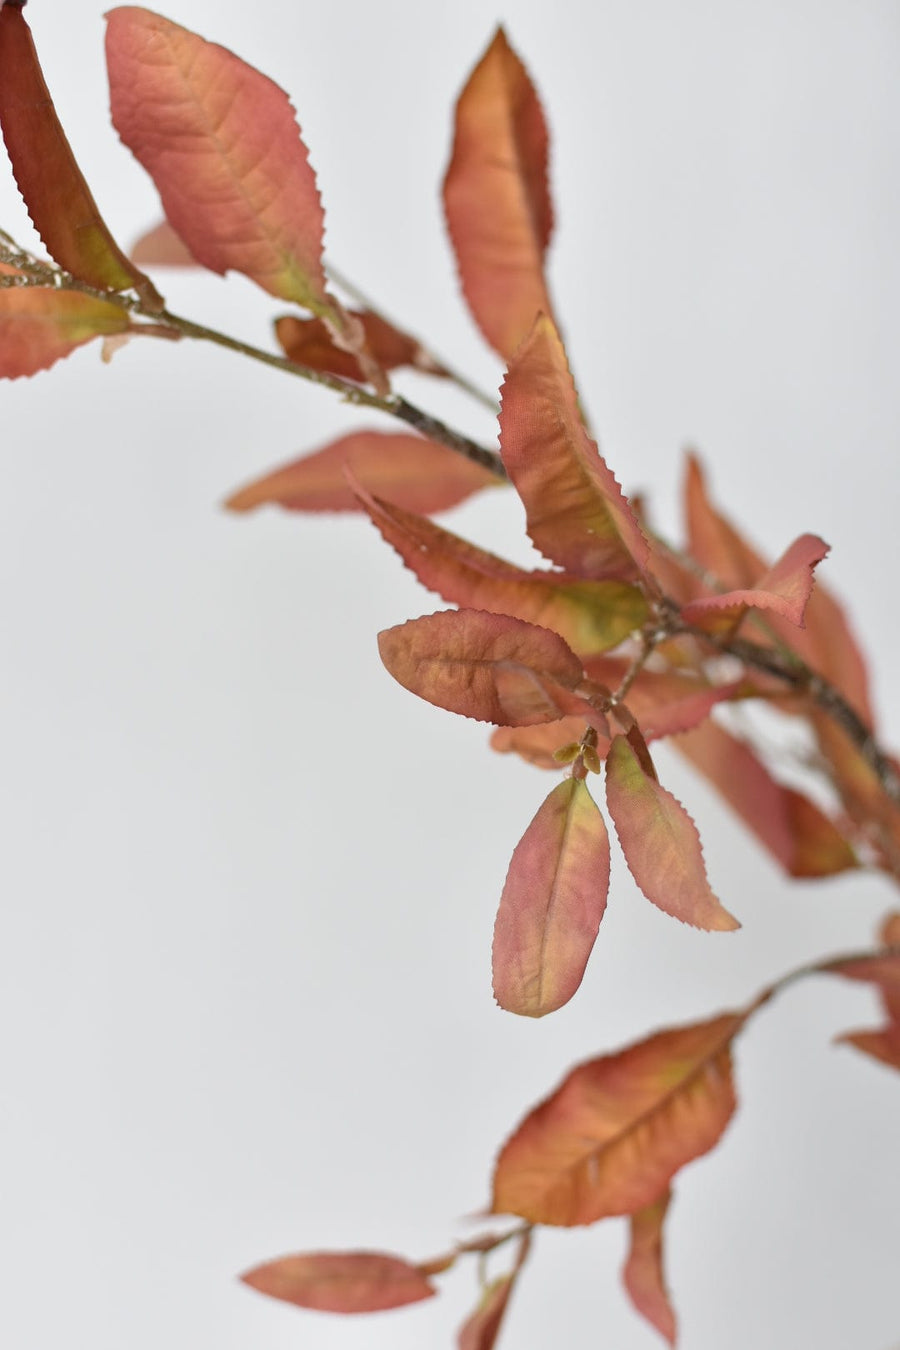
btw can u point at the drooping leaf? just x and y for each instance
(487, 666)
(497, 199)
(481, 1329)
(796, 832)
(40, 325)
(660, 843)
(552, 903)
(417, 474)
(221, 143)
(162, 247)
(53, 187)
(309, 343)
(618, 1128)
(577, 514)
(785, 589)
(592, 616)
(883, 971)
(341, 1282)
(643, 1275)
(538, 745)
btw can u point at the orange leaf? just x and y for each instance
(618, 1128)
(797, 834)
(418, 474)
(480, 1331)
(552, 903)
(577, 514)
(497, 199)
(643, 1274)
(40, 325)
(342, 1282)
(592, 616)
(537, 745)
(785, 589)
(660, 843)
(222, 145)
(309, 343)
(161, 247)
(889, 931)
(882, 970)
(59, 200)
(487, 666)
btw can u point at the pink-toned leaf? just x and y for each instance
(592, 616)
(309, 343)
(577, 514)
(795, 831)
(617, 1129)
(552, 903)
(643, 1275)
(883, 1045)
(785, 589)
(497, 199)
(481, 1329)
(537, 745)
(660, 843)
(39, 325)
(162, 247)
(487, 666)
(713, 541)
(341, 1282)
(53, 187)
(417, 474)
(221, 143)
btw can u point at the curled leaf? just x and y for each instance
(785, 589)
(40, 325)
(341, 1282)
(643, 1275)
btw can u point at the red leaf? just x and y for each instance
(342, 1282)
(221, 143)
(487, 666)
(660, 843)
(797, 834)
(161, 247)
(618, 1128)
(309, 343)
(643, 1274)
(497, 200)
(416, 473)
(552, 903)
(785, 589)
(577, 515)
(592, 616)
(59, 200)
(480, 1331)
(40, 325)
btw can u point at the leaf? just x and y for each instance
(487, 666)
(53, 187)
(162, 247)
(883, 971)
(538, 744)
(577, 515)
(665, 702)
(795, 831)
(785, 589)
(592, 616)
(416, 473)
(41, 325)
(552, 903)
(222, 145)
(480, 1331)
(497, 199)
(341, 1282)
(660, 843)
(309, 343)
(643, 1275)
(618, 1128)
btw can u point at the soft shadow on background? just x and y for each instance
(250, 883)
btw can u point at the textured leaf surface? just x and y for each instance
(413, 472)
(592, 616)
(309, 343)
(643, 1275)
(660, 843)
(618, 1128)
(785, 589)
(341, 1282)
(221, 143)
(577, 514)
(487, 666)
(497, 199)
(552, 903)
(53, 187)
(39, 326)
(480, 1331)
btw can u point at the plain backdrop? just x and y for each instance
(249, 883)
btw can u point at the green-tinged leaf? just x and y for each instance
(40, 325)
(784, 590)
(643, 1276)
(309, 343)
(660, 843)
(497, 198)
(416, 473)
(592, 616)
(576, 512)
(341, 1282)
(487, 666)
(221, 143)
(552, 903)
(53, 187)
(617, 1129)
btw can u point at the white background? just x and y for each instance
(249, 883)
